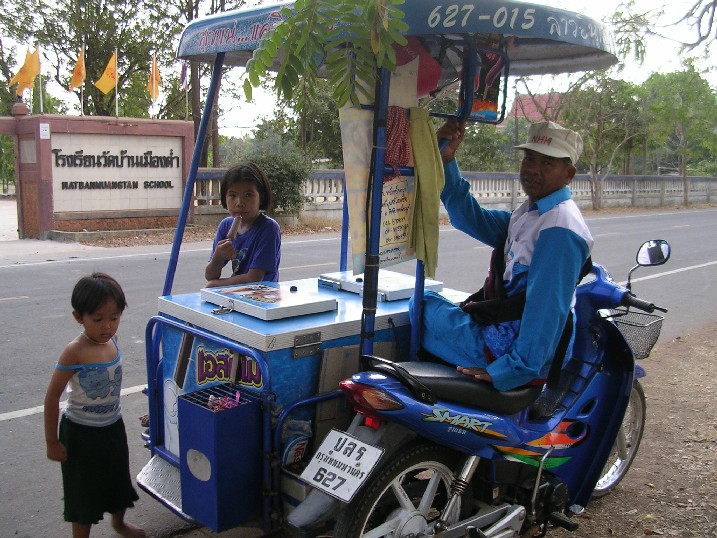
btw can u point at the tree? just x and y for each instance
(283, 162)
(631, 29)
(701, 16)
(310, 37)
(314, 128)
(683, 115)
(632, 25)
(484, 148)
(7, 163)
(607, 114)
(7, 95)
(62, 27)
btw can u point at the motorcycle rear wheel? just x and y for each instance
(404, 497)
(625, 448)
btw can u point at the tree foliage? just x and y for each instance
(136, 28)
(283, 162)
(309, 39)
(607, 113)
(683, 111)
(7, 163)
(632, 24)
(7, 95)
(631, 29)
(486, 148)
(314, 128)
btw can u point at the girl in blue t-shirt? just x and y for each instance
(248, 238)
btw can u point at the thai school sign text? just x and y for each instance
(93, 172)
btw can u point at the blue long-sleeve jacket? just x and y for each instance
(548, 243)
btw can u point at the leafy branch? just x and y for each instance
(342, 40)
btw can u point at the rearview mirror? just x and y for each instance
(653, 252)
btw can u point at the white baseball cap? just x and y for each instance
(554, 140)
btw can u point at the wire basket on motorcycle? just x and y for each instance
(641, 330)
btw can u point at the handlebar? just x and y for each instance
(631, 301)
(603, 292)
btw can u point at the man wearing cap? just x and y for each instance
(545, 244)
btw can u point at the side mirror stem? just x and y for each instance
(629, 278)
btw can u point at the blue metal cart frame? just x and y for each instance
(537, 40)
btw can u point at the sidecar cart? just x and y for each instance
(231, 394)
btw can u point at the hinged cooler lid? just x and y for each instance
(266, 336)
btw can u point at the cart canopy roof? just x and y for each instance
(537, 39)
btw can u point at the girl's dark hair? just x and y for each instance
(94, 290)
(251, 173)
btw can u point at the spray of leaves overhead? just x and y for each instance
(344, 41)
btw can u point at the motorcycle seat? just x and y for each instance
(446, 383)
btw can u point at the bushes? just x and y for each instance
(284, 164)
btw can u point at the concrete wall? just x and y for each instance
(324, 191)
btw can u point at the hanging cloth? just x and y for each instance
(429, 181)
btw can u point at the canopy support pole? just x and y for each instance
(192, 176)
(373, 217)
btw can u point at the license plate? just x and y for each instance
(341, 465)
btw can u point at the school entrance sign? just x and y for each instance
(80, 173)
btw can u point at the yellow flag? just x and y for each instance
(78, 75)
(25, 77)
(108, 80)
(154, 80)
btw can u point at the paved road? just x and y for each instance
(36, 276)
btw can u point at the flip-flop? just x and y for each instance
(144, 421)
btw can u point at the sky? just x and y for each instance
(662, 55)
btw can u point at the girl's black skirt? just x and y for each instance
(95, 477)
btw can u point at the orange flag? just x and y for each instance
(154, 80)
(78, 75)
(25, 77)
(108, 80)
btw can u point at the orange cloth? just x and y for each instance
(108, 80)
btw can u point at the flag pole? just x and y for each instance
(150, 85)
(39, 78)
(116, 77)
(153, 75)
(39, 82)
(186, 102)
(184, 83)
(82, 83)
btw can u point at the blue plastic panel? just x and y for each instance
(540, 39)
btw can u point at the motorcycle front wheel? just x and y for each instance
(404, 497)
(626, 445)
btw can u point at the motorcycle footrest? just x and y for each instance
(474, 532)
(561, 520)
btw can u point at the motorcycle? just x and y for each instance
(431, 452)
